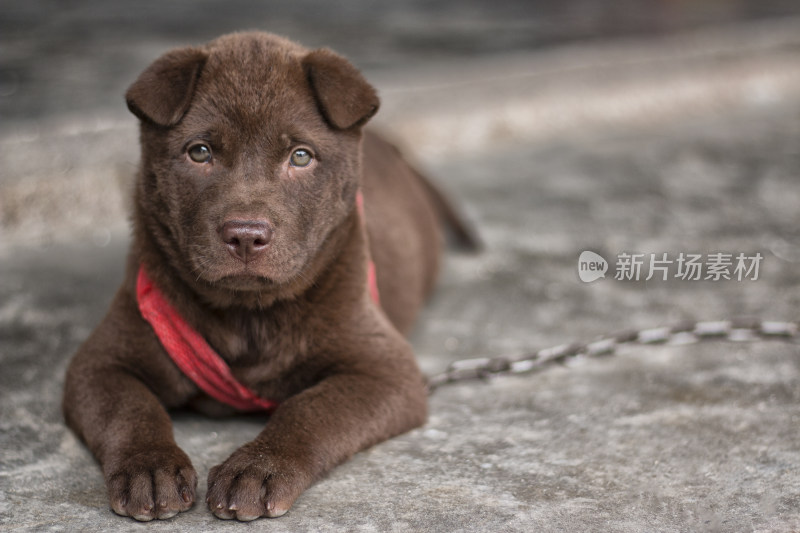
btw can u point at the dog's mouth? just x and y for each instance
(245, 281)
(246, 277)
(266, 274)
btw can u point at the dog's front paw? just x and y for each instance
(254, 483)
(154, 483)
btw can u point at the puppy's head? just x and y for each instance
(250, 158)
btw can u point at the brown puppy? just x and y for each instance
(246, 221)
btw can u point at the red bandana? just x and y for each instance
(194, 356)
(372, 277)
(191, 352)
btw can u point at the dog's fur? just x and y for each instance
(295, 321)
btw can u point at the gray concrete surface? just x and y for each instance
(687, 143)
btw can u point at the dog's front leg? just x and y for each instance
(312, 432)
(109, 402)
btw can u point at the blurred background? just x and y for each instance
(68, 57)
(454, 75)
(558, 126)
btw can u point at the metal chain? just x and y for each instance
(685, 333)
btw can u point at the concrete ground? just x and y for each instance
(682, 143)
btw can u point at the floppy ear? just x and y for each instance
(163, 92)
(343, 95)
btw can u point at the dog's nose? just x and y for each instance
(246, 239)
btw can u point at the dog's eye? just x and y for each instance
(301, 158)
(199, 153)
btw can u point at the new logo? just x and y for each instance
(591, 266)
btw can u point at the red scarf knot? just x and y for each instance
(191, 353)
